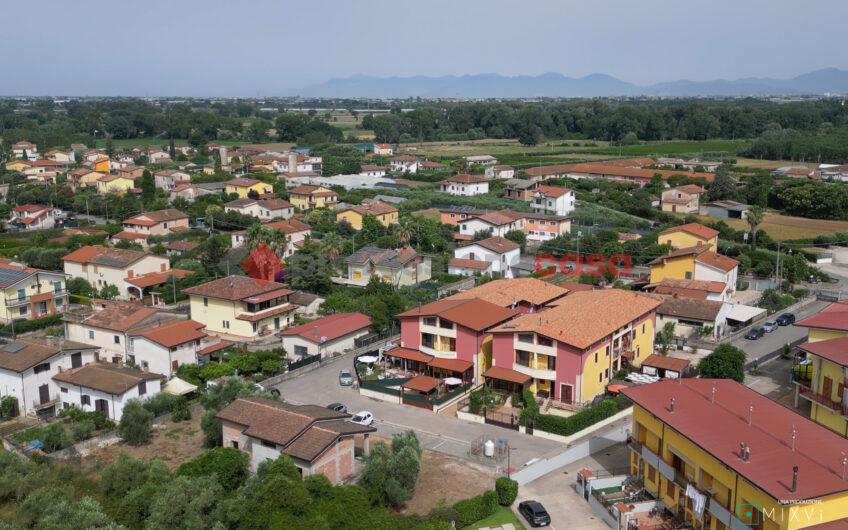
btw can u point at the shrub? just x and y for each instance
(531, 408)
(507, 490)
(33, 325)
(577, 422)
(476, 508)
(181, 411)
(621, 374)
(8, 406)
(98, 417)
(475, 402)
(159, 404)
(134, 427)
(54, 437)
(82, 430)
(227, 464)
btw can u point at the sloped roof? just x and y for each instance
(109, 257)
(175, 333)
(469, 263)
(834, 317)
(834, 350)
(237, 288)
(474, 313)
(497, 244)
(330, 327)
(382, 257)
(465, 178)
(505, 292)
(109, 378)
(35, 351)
(697, 250)
(696, 229)
(690, 308)
(717, 261)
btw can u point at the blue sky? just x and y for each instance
(255, 48)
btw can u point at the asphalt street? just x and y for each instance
(777, 338)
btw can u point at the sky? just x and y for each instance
(260, 48)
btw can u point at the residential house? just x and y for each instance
(295, 230)
(130, 171)
(264, 209)
(190, 192)
(17, 164)
(397, 267)
(482, 160)
(690, 316)
(405, 164)
(543, 227)
(680, 287)
(178, 248)
(456, 214)
(369, 170)
(244, 186)
(27, 367)
(307, 303)
(241, 307)
(429, 165)
(572, 351)
(691, 165)
(627, 175)
(499, 172)
(834, 172)
(327, 336)
(384, 149)
(33, 217)
(165, 348)
(697, 263)
(682, 199)
(689, 235)
(111, 324)
(106, 387)
(827, 350)
(155, 223)
(113, 266)
(318, 440)
(63, 157)
(24, 149)
(183, 149)
(99, 163)
(719, 455)
(464, 185)
(386, 215)
(497, 223)
(308, 196)
(500, 252)
(158, 157)
(553, 200)
(168, 179)
(520, 189)
(525, 295)
(470, 267)
(28, 293)
(83, 178)
(113, 183)
(725, 209)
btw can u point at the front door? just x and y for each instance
(276, 322)
(102, 404)
(827, 388)
(175, 365)
(76, 360)
(43, 394)
(565, 393)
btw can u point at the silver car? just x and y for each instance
(345, 378)
(770, 326)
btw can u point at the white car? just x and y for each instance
(363, 417)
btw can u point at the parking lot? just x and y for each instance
(438, 432)
(782, 335)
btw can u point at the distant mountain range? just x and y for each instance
(828, 80)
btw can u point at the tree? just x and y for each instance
(331, 245)
(530, 135)
(213, 254)
(134, 426)
(53, 507)
(109, 292)
(403, 231)
(665, 336)
(79, 286)
(187, 502)
(148, 187)
(517, 236)
(229, 466)
(219, 396)
(459, 165)
(390, 474)
(110, 147)
(725, 362)
(722, 187)
(754, 218)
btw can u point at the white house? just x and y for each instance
(464, 184)
(106, 387)
(33, 217)
(372, 171)
(261, 208)
(497, 223)
(167, 179)
(163, 349)
(27, 367)
(469, 267)
(553, 200)
(326, 336)
(714, 267)
(405, 164)
(483, 160)
(500, 252)
(690, 314)
(499, 172)
(113, 266)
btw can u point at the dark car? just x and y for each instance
(755, 333)
(337, 407)
(785, 319)
(535, 513)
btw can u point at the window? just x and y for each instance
(23, 310)
(444, 324)
(164, 225)
(522, 357)
(551, 362)
(205, 302)
(430, 321)
(301, 351)
(254, 326)
(688, 275)
(117, 339)
(142, 388)
(44, 367)
(543, 341)
(57, 286)
(528, 339)
(85, 400)
(600, 377)
(226, 324)
(63, 390)
(21, 294)
(272, 445)
(91, 334)
(596, 357)
(669, 489)
(606, 373)
(607, 350)
(652, 473)
(643, 329)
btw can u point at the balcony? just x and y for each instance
(38, 404)
(820, 399)
(21, 300)
(538, 373)
(435, 352)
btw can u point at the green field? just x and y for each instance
(502, 516)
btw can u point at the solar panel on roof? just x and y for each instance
(111, 261)
(8, 276)
(14, 347)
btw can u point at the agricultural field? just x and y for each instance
(786, 227)
(756, 163)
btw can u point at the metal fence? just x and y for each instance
(303, 361)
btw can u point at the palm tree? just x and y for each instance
(754, 218)
(277, 241)
(254, 235)
(331, 245)
(403, 232)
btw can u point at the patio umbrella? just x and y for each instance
(367, 359)
(452, 381)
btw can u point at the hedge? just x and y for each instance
(581, 420)
(79, 299)
(33, 325)
(507, 490)
(476, 508)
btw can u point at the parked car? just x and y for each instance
(345, 379)
(337, 407)
(755, 333)
(770, 326)
(785, 319)
(535, 513)
(363, 417)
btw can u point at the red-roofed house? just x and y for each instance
(464, 185)
(689, 235)
(553, 200)
(32, 217)
(155, 223)
(295, 231)
(163, 349)
(501, 254)
(405, 164)
(325, 336)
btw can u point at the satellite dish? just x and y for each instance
(323, 339)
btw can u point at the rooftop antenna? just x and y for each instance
(794, 478)
(712, 400)
(794, 434)
(844, 462)
(750, 413)
(671, 409)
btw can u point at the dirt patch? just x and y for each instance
(448, 478)
(173, 444)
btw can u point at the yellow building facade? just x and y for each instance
(31, 293)
(242, 187)
(673, 267)
(307, 197)
(385, 215)
(689, 235)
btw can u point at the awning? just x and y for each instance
(743, 313)
(409, 355)
(454, 365)
(665, 363)
(178, 387)
(223, 345)
(421, 383)
(506, 374)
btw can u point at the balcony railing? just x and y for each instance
(20, 300)
(38, 404)
(825, 401)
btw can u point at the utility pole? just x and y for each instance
(174, 284)
(777, 272)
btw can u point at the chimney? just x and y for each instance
(146, 369)
(714, 390)
(292, 162)
(794, 478)
(748, 453)
(671, 407)
(750, 413)
(314, 331)
(742, 450)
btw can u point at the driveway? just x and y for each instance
(438, 432)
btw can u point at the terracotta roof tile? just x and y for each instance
(36, 351)
(834, 350)
(465, 178)
(474, 313)
(697, 250)
(834, 317)
(505, 292)
(717, 261)
(109, 378)
(469, 263)
(175, 333)
(506, 374)
(497, 244)
(237, 288)
(331, 327)
(696, 229)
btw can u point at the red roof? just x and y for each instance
(157, 278)
(834, 350)
(454, 365)
(834, 316)
(465, 178)
(719, 427)
(717, 261)
(472, 313)
(421, 383)
(223, 345)
(469, 263)
(409, 355)
(551, 191)
(506, 374)
(695, 229)
(30, 208)
(330, 327)
(175, 334)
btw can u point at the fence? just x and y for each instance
(385, 386)
(303, 361)
(461, 285)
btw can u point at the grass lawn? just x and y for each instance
(756, 163)
(502, 516)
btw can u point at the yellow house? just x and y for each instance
(240, 307)
(720, 455)
(101, 165)
(689, 235)
(384, 213)
(827, 349)
(243, 186)
(30, 293)
(209, 170)
(308, 196)
(676, 264)
(114, 184)
(17, 165)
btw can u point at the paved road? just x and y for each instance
(782, 335)
(437, 432)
